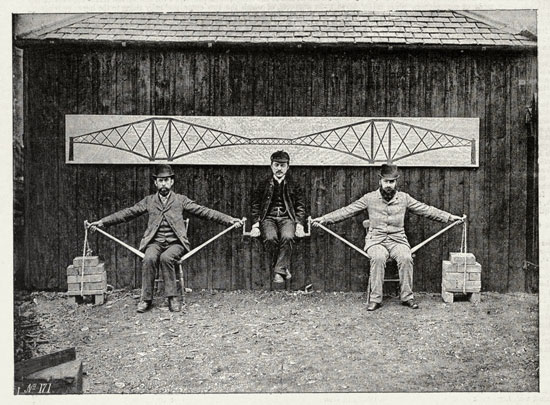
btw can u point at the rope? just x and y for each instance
(83, 261)
(464, 249)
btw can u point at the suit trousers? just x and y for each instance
(379, 254)
(160, 257)
(278, 235)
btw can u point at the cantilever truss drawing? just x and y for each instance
(373, 141)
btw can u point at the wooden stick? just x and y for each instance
(130, 248)
(192, 252)
(414, 249)
(351, 245)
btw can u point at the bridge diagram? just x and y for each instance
(374, 141)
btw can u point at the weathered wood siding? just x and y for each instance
(495, 86)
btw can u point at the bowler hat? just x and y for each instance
(163, 171)
(388, 172)
(280, 156)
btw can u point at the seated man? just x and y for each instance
(165, 239)
(386, 235)
(278, 209)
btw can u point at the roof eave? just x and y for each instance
(24, 43)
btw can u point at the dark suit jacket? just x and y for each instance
(176, 205)
(293, 197)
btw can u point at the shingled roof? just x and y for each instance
(439, 28)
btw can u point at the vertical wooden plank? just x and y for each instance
(357, 87)
(318, 182)
(143, 173)
(41, 182)
(280, 75)
(464, 90)
(517, 145)
(216, 250)
(247, 107)
(357, 273)
(201, 273)
(185, 185)
(70, 225)
(87, 175)
(260, 277)
(453, 197)
(106, 98)
(241, 257)
(478, 222)
(531, 89)
(125, 175)
(299, 91)
(430, 257)
(415, 183)
(338, 254)
(485, 148)
(499, 183)
(185, 77)
(201, 88)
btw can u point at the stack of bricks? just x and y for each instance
(461, 274)
(93, 282)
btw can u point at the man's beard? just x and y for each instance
(388, 193)
(164, 191)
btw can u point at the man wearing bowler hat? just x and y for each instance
(165, 239)
(386, 235)
(278, 213)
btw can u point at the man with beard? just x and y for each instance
(386, 237)
(165, 239)
(278, 213)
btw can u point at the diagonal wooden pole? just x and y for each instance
(351, 245)
(130, 248)
(212, 239)
(460, 221)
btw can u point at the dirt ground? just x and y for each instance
(245, 341)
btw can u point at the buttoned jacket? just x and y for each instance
(176, 206)
(387, 218)
(293, 198)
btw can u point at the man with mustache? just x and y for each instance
(165, 239)
(386, 235)
(278, 213)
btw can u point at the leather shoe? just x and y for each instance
(410, 303)
(373, 306)
(174, 304)
(143, 306)
(278, 279)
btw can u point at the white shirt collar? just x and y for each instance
(279, 181)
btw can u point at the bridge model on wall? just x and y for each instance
(373, 141)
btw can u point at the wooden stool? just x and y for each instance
(391, 275)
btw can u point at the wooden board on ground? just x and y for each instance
(65, 378)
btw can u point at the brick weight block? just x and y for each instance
(474, 276)
(73, 270)
(100, 285)
(461, 258)
(87, 278)
(89, 261)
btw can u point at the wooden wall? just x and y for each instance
(495, 86)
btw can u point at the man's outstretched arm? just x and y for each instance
(428, 211)
(343, 213)
(209, 213)
(123, 215)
